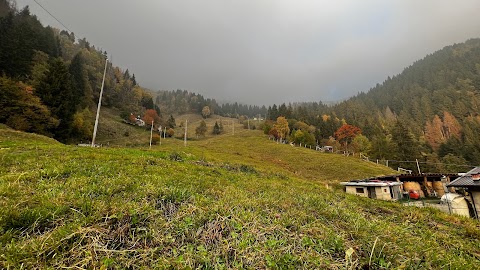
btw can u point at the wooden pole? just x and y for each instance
(160, 131)
(151, 135)
(185, 139)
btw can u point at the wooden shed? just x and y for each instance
(383, 190)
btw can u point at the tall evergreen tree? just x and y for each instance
(55, 91)
(201, 129)
(134, 81)
(171, 122)
(82, 94)
(216, 129)
(406, 147)
(21, 34)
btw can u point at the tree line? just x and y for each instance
(50, 79)
(183, 101)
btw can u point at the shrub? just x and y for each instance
(155, 139)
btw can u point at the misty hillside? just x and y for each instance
(437, 98)
(447, 80)
(428, 112)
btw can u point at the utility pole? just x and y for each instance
(418, 167)
(160, 133)
(248, 121)
(165, 132)
(99, 105)
(233, 127)
(185, 139)
(151, 135)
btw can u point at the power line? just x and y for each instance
(53, 16)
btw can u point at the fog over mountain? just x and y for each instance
(264, 52)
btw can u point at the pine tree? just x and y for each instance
(171, 122)
(55, 91)
(134, 81)
(82, 92)
(406, 148)
(216, 129)
(201, 129)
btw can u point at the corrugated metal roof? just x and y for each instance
(371, 184)
(466, 180)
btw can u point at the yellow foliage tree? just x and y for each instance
(282, 127)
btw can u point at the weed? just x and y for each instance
(176, 157)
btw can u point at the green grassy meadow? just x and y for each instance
(221, 202)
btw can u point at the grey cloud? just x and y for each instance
(270, 51)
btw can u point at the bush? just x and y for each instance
(125, 115)
(170, 132)
(155, 139)
(175, 156)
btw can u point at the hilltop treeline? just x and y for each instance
(428, 112)
(50, 80)
(183, 101)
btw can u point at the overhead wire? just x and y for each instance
(53, 16)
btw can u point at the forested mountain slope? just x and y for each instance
(50, 80)
(430, 111)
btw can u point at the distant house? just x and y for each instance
(470, 182)
(383, 190)
(328, 148)
(139, 122)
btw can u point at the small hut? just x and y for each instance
(382, 190)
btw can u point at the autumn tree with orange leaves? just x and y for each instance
(151, 115)
(346, 133)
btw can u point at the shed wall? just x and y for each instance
(383, 193)
(353, 190)
(476, 199)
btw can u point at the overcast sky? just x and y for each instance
(265, 51)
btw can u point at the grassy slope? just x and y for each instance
(112, 130)
(252, 148)
(69, 206)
